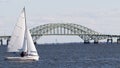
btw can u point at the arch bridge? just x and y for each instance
(84, 33)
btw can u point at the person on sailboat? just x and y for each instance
(23, 54)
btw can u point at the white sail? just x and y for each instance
(21, 41)
(30, 45)
(17, 38)
(24, 46)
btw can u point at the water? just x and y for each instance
(69, 56)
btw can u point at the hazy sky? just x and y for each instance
(100, 15)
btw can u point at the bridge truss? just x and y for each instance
(69, 29)
(84, 33)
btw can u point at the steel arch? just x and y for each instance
(64, 29)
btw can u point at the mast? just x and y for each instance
(26, 29)
(25, 46)
(25, 17)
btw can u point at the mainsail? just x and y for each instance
(16, 41)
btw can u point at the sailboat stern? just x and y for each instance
(34, 58)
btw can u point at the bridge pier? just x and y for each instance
(1, 41)
(86, 42)
(110, 40)
(96, 41)
(7, 41)
(118, 40)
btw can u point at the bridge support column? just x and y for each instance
(118, 40)
(86, 42)
(1, 41)
(96, 41)
(110, 40)
(7, 41)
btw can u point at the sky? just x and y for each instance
(102, 16)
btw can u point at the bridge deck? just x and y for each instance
(102, 35)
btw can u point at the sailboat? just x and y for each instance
(21, 41)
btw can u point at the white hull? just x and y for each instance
(26, 58)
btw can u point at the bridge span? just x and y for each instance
(84, 33)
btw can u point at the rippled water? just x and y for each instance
(69, 56)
